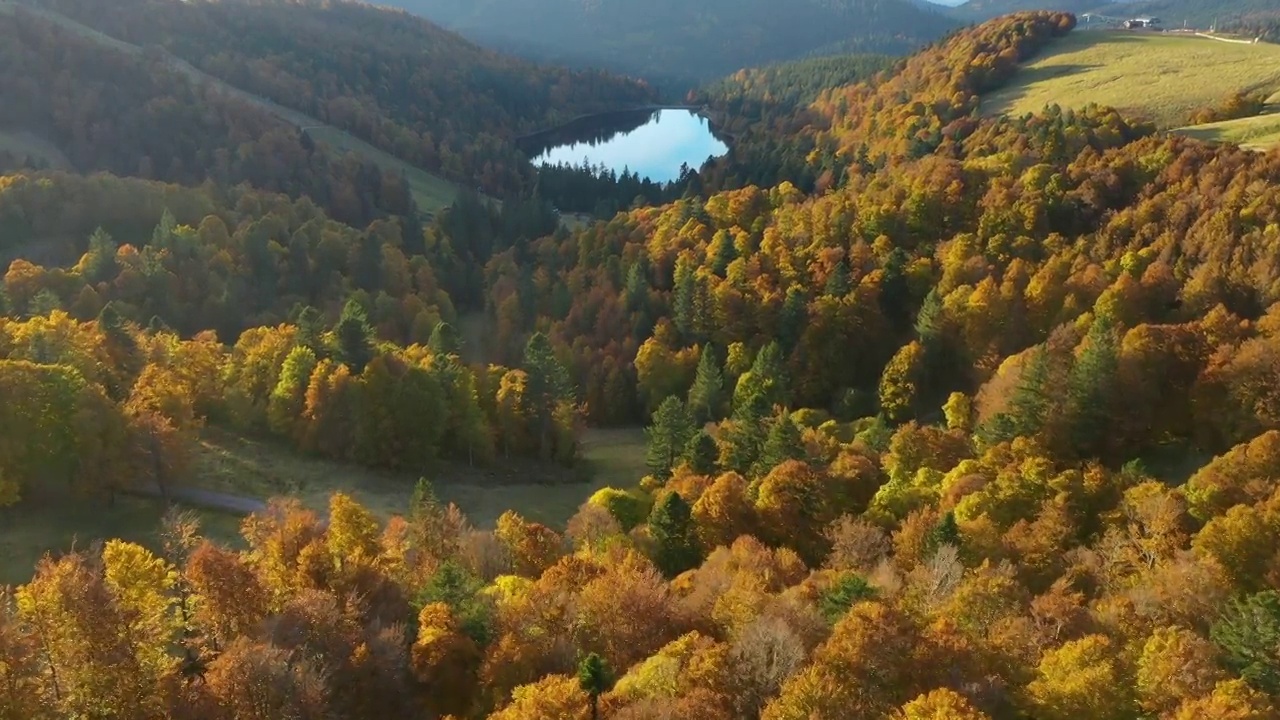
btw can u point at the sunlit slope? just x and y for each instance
(1158, 77)
(1258, 133)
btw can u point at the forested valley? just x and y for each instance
(947, 415)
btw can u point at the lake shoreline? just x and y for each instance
(699, 110)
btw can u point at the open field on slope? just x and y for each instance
(1257, 133)
(431, 192)
(1162, 77)
(246, 467)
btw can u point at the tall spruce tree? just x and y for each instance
(783, 443)
(707, 394)
(1091, 387)
(354, 337)
(1029, 407)
(674, 535)
(444, 339)
(684, 305)
(668, 436)
(792, 320)
(1249, 634)
(701, 453)
(548, 386)
(595, 679)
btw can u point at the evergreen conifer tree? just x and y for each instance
(674, 535)
(707, 394)
(595, 679)
(701, 453)
(668, 436)
(354, 337)
(783, 443)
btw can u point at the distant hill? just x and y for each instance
(686, 39)
(1196, 13)
(983, 9)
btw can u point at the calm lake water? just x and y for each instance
(653, 144)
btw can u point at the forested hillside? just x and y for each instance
(133, 115)
(955, 416)
(678, 41)
(422, 94)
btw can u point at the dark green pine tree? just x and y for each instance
(595, 679)
(1249, 634)
(1029, 407)
(723, 252)
(770, 374)
(674, 535)
(121, 345)
(706, 397)
(946, 532)
(426, 522)
(701, 453)
(848, 590)
(757, 394)
(163, 232)
(929, 320)
(1091, 388)
(684, 302)
(939, 369)
(311, 331)
(895, 294)
(791, 322)
(548, 386)
(637, 287)
(444, 339)
(839, 283)
(783, 443)
(100, 260)
(354, 337)
(668, 436)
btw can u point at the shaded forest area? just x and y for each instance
(400, 83)
(678, 44)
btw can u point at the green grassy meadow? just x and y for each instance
(1256, 133)
(1158, 77)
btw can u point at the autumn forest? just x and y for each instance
(946, 415)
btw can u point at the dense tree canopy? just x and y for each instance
(984, 425)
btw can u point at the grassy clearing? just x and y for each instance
(431, 192)
(543, 493)
(247, 467)
(1159, 77)
(37, 527)
(1256, 133)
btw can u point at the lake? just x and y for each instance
(653, 144)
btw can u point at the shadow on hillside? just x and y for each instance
(1003, 100)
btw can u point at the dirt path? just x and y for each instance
(203, 499)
